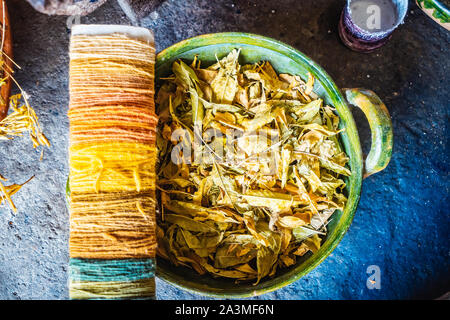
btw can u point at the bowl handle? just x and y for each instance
(380, 125)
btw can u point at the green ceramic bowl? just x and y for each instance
(286, 59)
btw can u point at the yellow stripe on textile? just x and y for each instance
(112, 156)
(112, 225)
(112, 167)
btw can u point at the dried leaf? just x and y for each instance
(189, 224)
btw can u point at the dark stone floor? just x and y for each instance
(402, 223)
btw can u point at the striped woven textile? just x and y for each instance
(112, 157)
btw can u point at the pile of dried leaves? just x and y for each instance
(270, 171)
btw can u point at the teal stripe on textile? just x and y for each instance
(111, 270)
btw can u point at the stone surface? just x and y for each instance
(402, 223)
(66, 7)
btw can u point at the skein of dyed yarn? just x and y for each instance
(112, 157)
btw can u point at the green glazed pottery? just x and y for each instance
(286, 59)
(437, 11)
